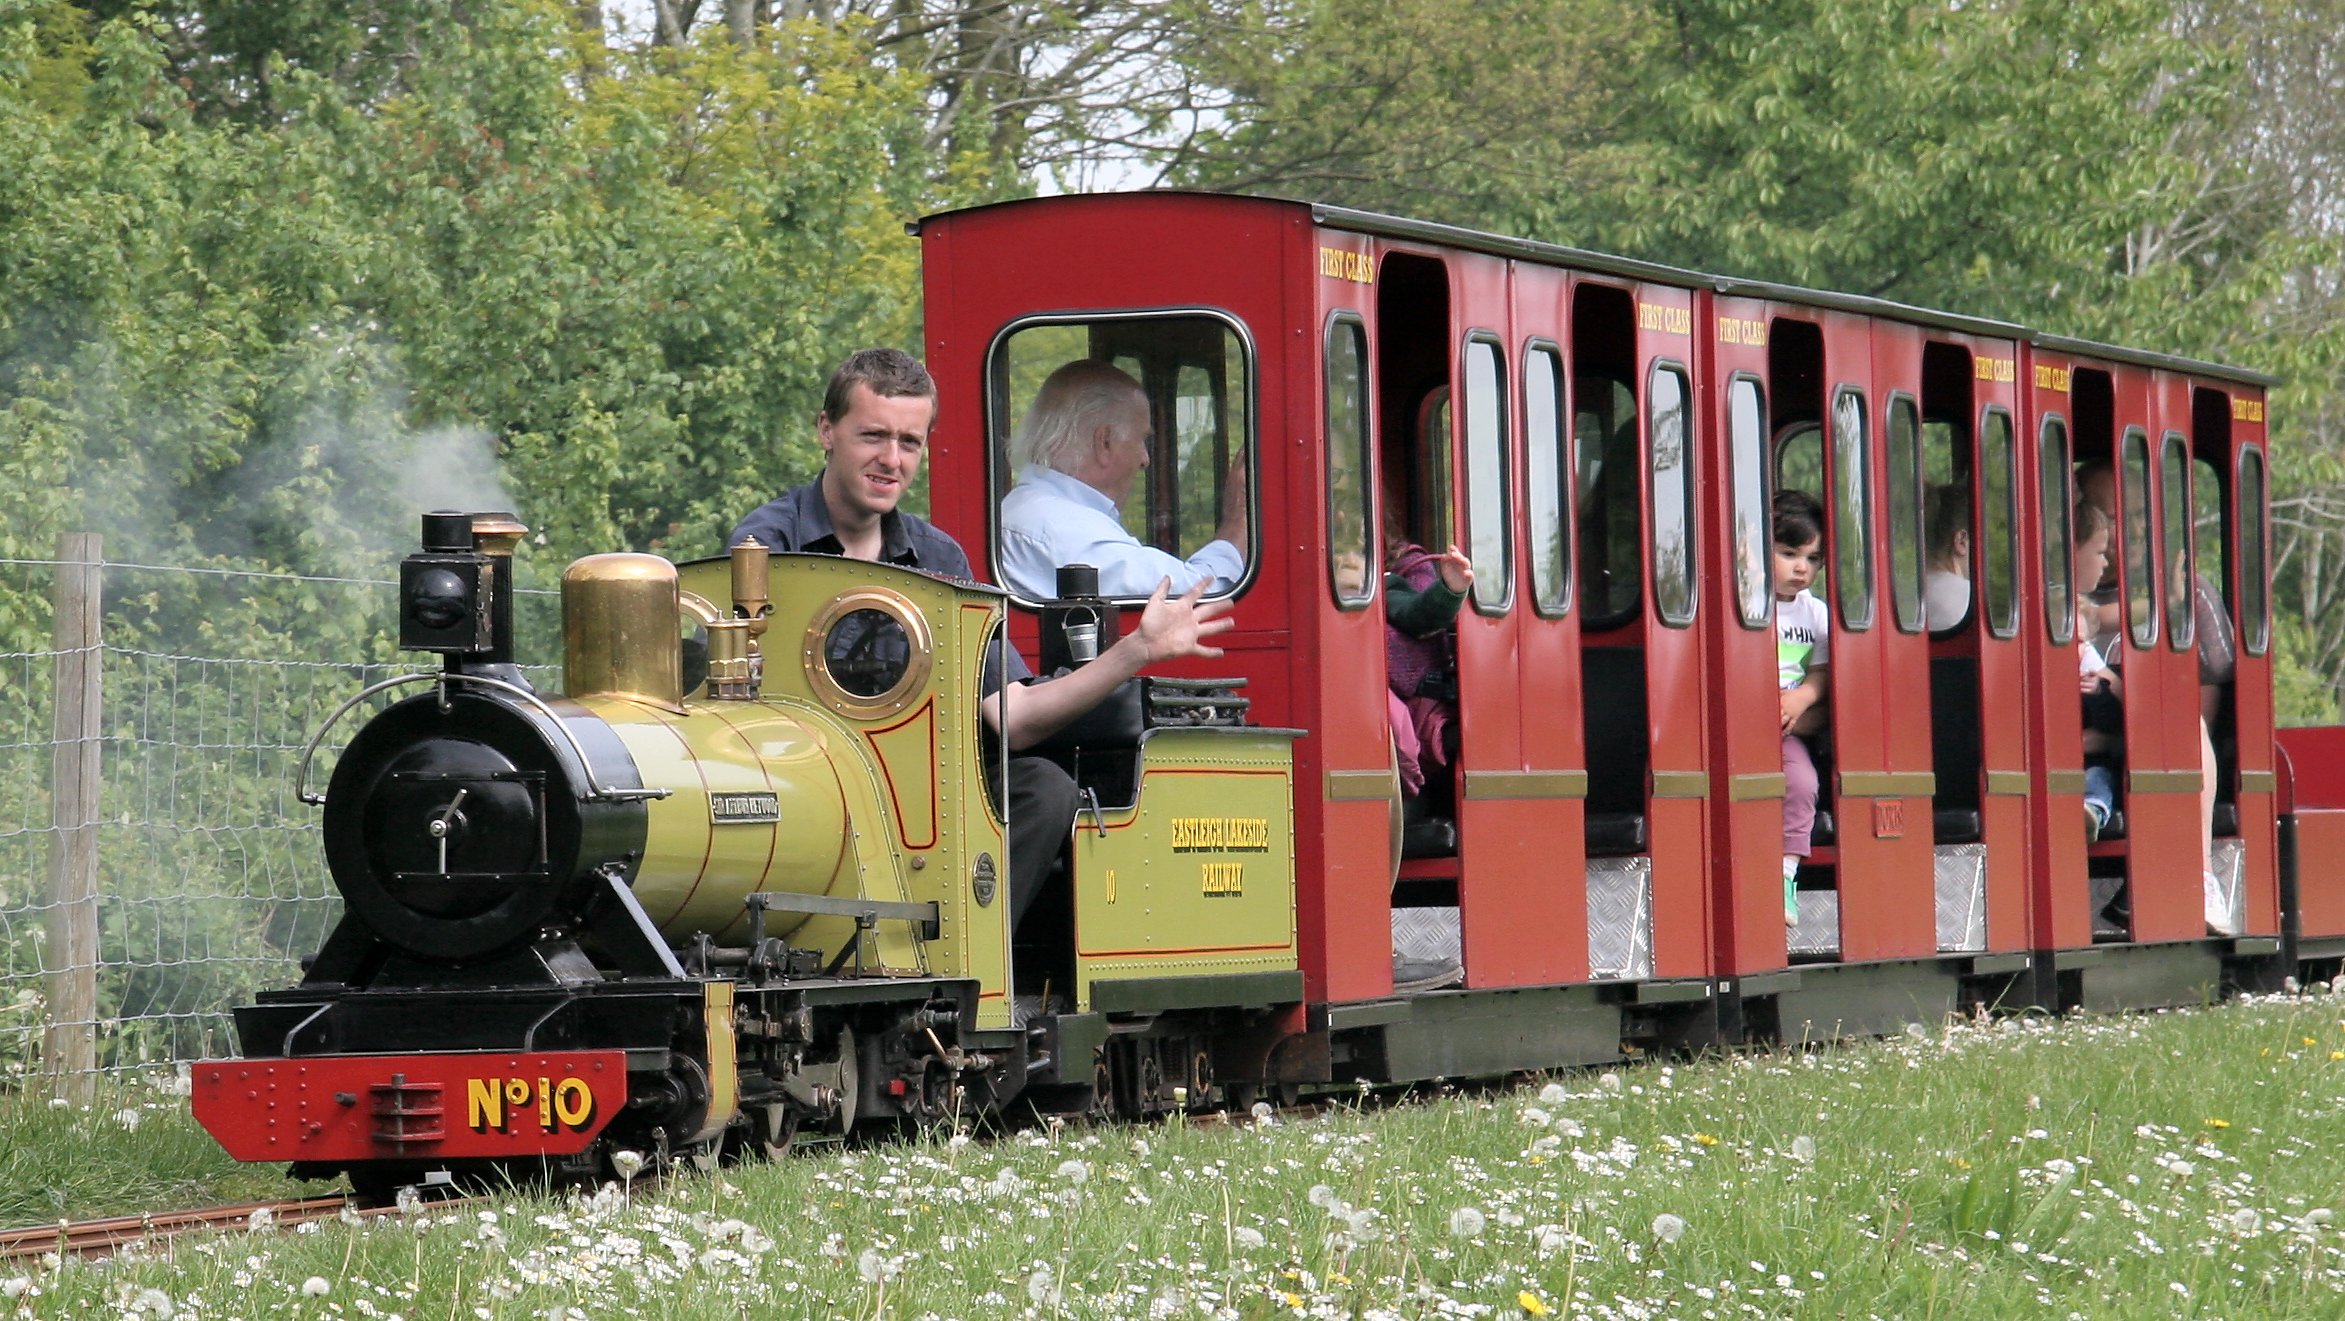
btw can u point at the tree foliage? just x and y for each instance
(262, 337)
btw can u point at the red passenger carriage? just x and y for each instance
(1603, 436)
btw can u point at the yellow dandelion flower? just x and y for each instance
(1533, 1304)
(1961, 1164)
(2337, 1054)
(1537, 1159)
(1293, 1300)
(2218, 1123)
(1705, 1139)
(2310, 1041)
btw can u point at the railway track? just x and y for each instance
(87, 1238)
(100, 1237)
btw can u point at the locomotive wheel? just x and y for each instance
(773, 1129)
(850, 1081)
(1103, 1108)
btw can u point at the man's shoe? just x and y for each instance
(1413, 974)
(2094, 818)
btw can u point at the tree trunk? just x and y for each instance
(593, 47)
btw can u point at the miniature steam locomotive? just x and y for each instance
(747, 875)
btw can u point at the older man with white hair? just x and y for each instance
(1083, 441)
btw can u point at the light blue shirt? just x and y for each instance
(1050, 519)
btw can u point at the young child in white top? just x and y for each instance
(1803, 653)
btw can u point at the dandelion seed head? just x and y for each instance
(1668, 1228)
(1467, 1222)
(316, 1287)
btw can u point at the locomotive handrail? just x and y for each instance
(596, 791)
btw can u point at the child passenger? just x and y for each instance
(1803, 637)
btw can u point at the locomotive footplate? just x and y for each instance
(636, 1016)
(429, 1106)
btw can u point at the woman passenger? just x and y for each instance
(1422, 594)
(1946, 544)
(2101, 690)
(2097, 482)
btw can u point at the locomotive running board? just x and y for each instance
(864, 911)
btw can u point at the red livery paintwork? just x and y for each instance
(425, 1107)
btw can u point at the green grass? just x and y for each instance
(133, 1149)
(2179, 1164)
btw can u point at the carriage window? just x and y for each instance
(1193, 375)
(1351, 549)
(2059, 566)
(1905, 513)
(1611, 528)
(1746, 417)
(1543, 429)
(2135, 541)
(1940, 441)
(2206, 522)
(2255, 625)
(1489, 529)
(1998, 567)
(1668, 432)
(1852, 519)
(2174, 470)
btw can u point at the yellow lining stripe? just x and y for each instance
(2064, 782)
(2162, 782)
(1359, 786)
(2259, 782)
(2007, 782)
(1681, 784)
(1486, 785)
(1749, 788)
(1887, 784)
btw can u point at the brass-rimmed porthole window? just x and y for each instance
(869, 652)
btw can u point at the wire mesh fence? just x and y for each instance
(209, 876)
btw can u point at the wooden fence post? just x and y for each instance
(70, 1054)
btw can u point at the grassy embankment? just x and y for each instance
(2180, 1164)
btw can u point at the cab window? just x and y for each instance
(1195, 372)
